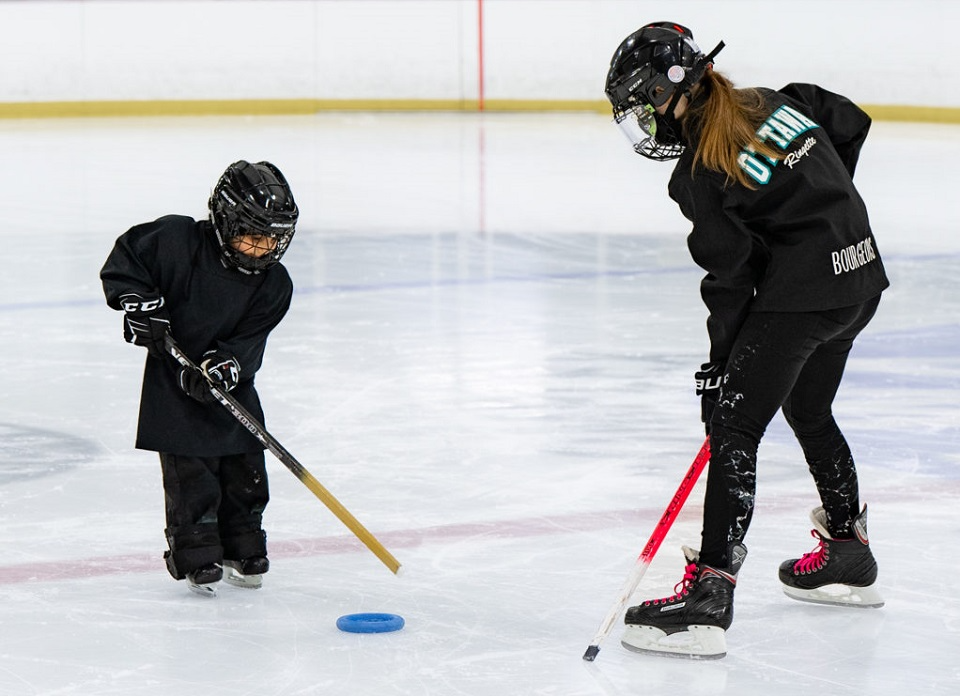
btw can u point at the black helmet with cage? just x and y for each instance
(252, 199)
(654, 67)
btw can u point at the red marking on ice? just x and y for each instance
(80, 569)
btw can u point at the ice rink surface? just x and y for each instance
(489, 361)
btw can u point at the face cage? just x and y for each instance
(256, 264)
(237, 259)
(639, 125)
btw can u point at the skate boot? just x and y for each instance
(246, 573)
(203, 580)
(841, 572)
(693, 622)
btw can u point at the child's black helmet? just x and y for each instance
(253, 199)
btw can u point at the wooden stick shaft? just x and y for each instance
(289, 461)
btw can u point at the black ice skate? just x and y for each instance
(203, 580)
(247, 573)
(693, 622)
(841, 572)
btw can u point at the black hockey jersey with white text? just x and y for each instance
(800, 240)
(211, 307)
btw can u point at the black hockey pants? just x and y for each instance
(214, 509)
(794, 361)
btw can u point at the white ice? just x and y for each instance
(489, 362)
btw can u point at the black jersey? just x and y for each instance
(211, 307)
(800, 240)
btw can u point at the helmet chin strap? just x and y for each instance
(674, 100)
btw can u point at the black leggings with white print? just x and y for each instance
(793, 361)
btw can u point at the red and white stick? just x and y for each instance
(650, 550)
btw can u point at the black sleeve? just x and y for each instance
(129, 267)
(732, 256)
(845, 123)
(728, 303)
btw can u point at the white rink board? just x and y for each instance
(875, 51)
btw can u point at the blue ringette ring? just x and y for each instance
(370, 623)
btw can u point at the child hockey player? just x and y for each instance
(793, 276)
(216, 286)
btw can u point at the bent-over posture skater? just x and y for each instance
(793, 275)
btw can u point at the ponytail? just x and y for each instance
(726, 120)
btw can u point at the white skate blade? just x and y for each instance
(238, 579)
(837, 595)
(208, 590)
(697, 642)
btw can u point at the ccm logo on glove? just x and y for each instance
(146, 321)
(134, 303)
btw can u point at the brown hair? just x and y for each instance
(726, 120)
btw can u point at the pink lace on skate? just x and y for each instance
(681, 589)
(816, 559)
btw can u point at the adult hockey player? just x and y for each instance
(217, 287)
(792, 276)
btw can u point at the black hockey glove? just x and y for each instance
(221, 369)
(708, 379)
(216, 369)
(146, 321)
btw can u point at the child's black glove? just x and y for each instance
(216, 369)
(146, 321)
